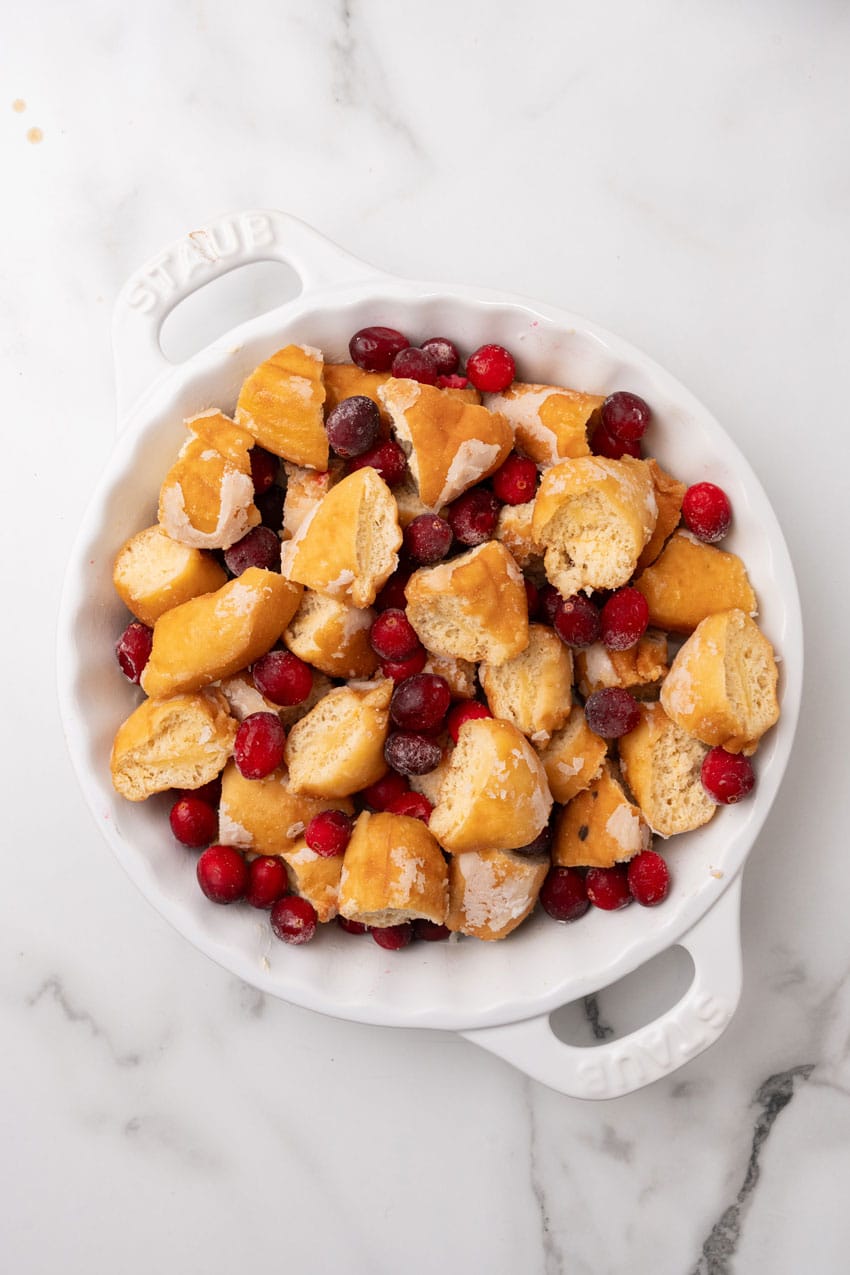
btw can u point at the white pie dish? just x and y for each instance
(499, 994)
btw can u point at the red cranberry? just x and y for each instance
(623, 619)
(193, 821)
(625, 416)
(428, 539)
(270, 505)
(387, 458)
(264, 469)
(707, 512)
(563, 894)
(351, 927)
(413, 804)
(516, 482)
(577, 621)
(133, 649)
(473, 516)
(444, 353)
(468, 710)
(649, 878)
(259, 745)
(384, 792)
(412, 754)
(549, 603)
(604, 444)
(491, 368)
(392, 636)
(353, 426)
(416, 365)
(399, 670)
(608, 888)
(328, 833)
(420, 703)
(294, 919)
(222, 874)
(393, 937)
(611, 712)
(374, 348)
(391, 597)
(210, 793)
(532, 597)
(540, 845)
(259, 548)
(727, 777)
(430, 931)
(453, 382)
(267, 881)
(282, 678)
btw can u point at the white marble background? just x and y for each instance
(677, 171)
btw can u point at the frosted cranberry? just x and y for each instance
(294, 919)
(194, 822)
(420, 703)
(623, 619)
(328, 833)
(428, 539)
(649, 878)
(282, 678)
(391, 597)
(413, 804)
(540, 845)
(259, 745)
(491, 368)
(270, 505)
(727, 777)
(222, 874)
(444, 353)
(267, 881)
(516, 482)
(468, 710)
(400, 670)
(392, 636)
(384, 792)
(611, 712)
(608, 888)
(707, 512)
(210, 793)
(133, 649)
(604, 444)
(430, 931)
(393, 937)
(549, 603)
(416, 365)
(387, 458)
(532, 597)
(353, 426)
(412, 754)
(453, 382)
(577, 621)
(473, 516)
(564, 895)
(264, 469)
(351, 927)
(259, 548)
(625, 416)
(374, 348)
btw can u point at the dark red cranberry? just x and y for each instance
(294, 919)
(625, 416)
(416, 365)
(611, 712)
(532, 597)
(428, 539)
(649, 878)
(413, 804)
(468, 710)
(387, 458)
(210, 792)
(541, 844)
(267, 881)
(454, 382)
(707, 512)
(400, 670)
(353, 426)
(259, 745)
(264, 469)
(193, 821)
(328, 833)
(549, 603)
(259, 548)
(384, 792)
(374, 348)
(608, 888)
(727, 777)
(412, 754)
(420, 703)
(491, 369)
(604, 444)
(393, 937)
(391, 597)
(623, 619)
(282, 678)
(430, 931)
(351, 927)
(133, 649)
(392, 636)
(577, 621)
(444, 353)
(222, 874)
(563, 894)
(473, 516)
(270, 505)
(516, 482)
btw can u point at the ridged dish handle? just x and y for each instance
(621, 1066)
(234, 240)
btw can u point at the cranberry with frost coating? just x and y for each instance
(399, 670)
(393, 937)
(387, 458)
(415, 364)
(430, 931)
(222, 874)
(611, 712)
(549, 603)
(413, 804)
(384, 792)
(707, 512)
(515, 483)
(193, 821)
(265, 467)
(727, 777)
(623, 619)
(473, 516)
(468, 710)
(259, 548)
(282, 678)
(608, 888)
(412, 754)
(351, 927)
(576, 621)
(564, 895)
(604, 444)
(491, 368)
(294, 919)
(133, 650)
(392, 636)
(428, 539)
(259, 745)
(444, 353)
(649, 878)
(420, 703)
(328, 833)
(625, 416)
(374, 348)
(267, 881)
(353, 426)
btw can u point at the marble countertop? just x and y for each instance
(675, 172)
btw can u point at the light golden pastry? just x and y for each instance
(338, 748)
(534, 689)
(550, 422)
(243, 698)
(304, 491)
(219, 633)
(264, 815)
(407, 499)
(473, 607)
(181, 742)
(661, 763)
(450, 444)
(314, 878)
(281, 404)
(392, 871)
(593, 517)
(514, 529)
(639, 669)
(332, 635)
(599, 827)
(573, 757)
(430, 785)
(491, 892)
(721, 687)
(345, 380)
(494, 795)
(669, 493)
(691, 580)
(460, 674)
(348, 547)
(153, 573)
(207, 498)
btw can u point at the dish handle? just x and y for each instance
(619, 1067)
(231, 241)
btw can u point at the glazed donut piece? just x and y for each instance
(281, 404)
(207, 498)
(573, 757)
(661, 763)
(243, 698)
(332, 635)
(600, 826)
(669, 493)
(153, 573)
(314, 878)
(639, 669)
(338, 748)
(691, 580)
(393, 871)
(491, 892)
(550, 422)
(534, 689)
(265, 816)
(180, 742)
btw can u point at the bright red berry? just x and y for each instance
(608, 888)
(428, 539)
(453, 382)
(563, 894)
(611, 712)
(649, 878)
(387, 458)
(467, 710)
(194, 822)
(420, 702)
(516, 482)
(430, 931)
(392, 636)
(577, 621)
(393, 937)
(413, 804)
(417, 365)
(491, 368)
(398, 670)
(267, 881)
(351, 927)
(473, 516)
(374, 348)
(353, 426)
(264, 469)
(384, 792)
(282, 678)
(133, 650)
(727, 777)
(259, 745)
(623, 619)
(222, 874)
(625, 416)
(294, 919)
(444, 353)
(604, 444)
(259, 548)
(707, 512)
(412, 754)
(328, 833)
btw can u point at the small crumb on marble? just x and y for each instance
(35, 135)
(19, 106)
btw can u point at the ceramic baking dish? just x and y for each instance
(498, 995)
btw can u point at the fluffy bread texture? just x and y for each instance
(332, 636)
(491, 892)
(181, 742)
(338, 748)
(600, 826)
(721, 687)
(534, 689)
(393, 871)
(691, 580)
(460, 674)
(305, 489)
(640, 669)
(669, 493)
(514, 530)
(265, 816)
(550, 422)
(281, 404)
(207, 497)
(314, 878)
(153, 573)
(573, 757)
(430, 785)
(661, 763)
